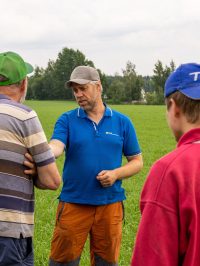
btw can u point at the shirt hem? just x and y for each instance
(86, 202)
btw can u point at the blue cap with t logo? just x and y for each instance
(186, 79)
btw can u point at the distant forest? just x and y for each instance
(130, 87)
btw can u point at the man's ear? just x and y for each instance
(175, 109)
(99, 86)
(23, 85)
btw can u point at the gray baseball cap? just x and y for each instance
(83, 75)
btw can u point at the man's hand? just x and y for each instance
(30, 164)
(44, 177)
(107, 177)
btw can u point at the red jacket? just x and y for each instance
(169, 230)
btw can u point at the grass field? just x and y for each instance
(155, 140)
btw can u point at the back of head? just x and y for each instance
(183, 86)
(13, 69)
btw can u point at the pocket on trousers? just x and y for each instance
(24, 250)
(123, 211)
(29, 260)
(60, 211)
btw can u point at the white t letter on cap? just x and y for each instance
(195, 75)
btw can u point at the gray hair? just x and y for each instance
(96, 82)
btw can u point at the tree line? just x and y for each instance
(129, 87)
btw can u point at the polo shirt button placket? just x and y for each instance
(96, 130)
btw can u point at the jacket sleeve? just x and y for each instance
(157, 237)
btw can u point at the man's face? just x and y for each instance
(86, 95)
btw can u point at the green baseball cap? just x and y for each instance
(13, 68)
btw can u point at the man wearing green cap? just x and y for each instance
(20, 132)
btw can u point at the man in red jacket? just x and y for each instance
(169, 230)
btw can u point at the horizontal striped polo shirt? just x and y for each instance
(20, 132)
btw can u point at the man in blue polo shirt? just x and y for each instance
(94, 138)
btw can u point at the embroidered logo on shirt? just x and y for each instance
(110, 133)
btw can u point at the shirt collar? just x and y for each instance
(189, 137)
(3, 96)
(82, 114)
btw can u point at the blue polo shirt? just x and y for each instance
(91, 148)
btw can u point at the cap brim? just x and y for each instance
(192, 93)
(77, 81)
(29, 68)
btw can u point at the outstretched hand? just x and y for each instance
(29, 163)
(107, 177)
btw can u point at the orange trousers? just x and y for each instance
(74, 222)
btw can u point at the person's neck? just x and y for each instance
(14, 98)
(187, 127)
(11, 93)
(97, 112)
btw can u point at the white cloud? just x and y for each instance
(108, 32)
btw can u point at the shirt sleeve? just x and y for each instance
(61, 129)
(131, 145)
(157, 237)
(36, 142)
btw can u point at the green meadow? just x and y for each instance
(155, 140)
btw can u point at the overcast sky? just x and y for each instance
(108, 32)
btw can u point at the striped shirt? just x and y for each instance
(20, 132)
